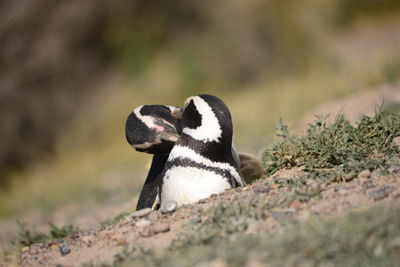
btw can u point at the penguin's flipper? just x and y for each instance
(235, 156)
(149, 194)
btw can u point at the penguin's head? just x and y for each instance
(206, 118)
(152, 129)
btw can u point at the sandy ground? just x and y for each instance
(156, 230)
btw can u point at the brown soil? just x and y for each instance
(157, 230)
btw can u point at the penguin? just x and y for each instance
(152, 129)
(201, 162)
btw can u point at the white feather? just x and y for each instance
(185, 152)
(147, 120)
(186, 185)
(209, 130)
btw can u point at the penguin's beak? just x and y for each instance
(177, 113)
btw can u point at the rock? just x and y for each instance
(25, 249)
(161, 227)
(140, 213)
(396, 141)
(64, 249)
(169, 207)
(394, 169)
(380, 193)
(195, 220)
(376, 174)
(155, 229)
(143, 223)
(365, 174)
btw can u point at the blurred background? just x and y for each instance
(71, 72)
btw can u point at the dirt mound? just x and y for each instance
(156, 231)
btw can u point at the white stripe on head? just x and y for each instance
(147, 120)
(209, 129)
(185, 152)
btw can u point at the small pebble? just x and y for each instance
(375, 174)
(155, 229)
(195, 220)
(364, 174)
(169, 207)
(380, 193)
(161, 227)
(143, 223)
(213, 195)
(140, 213)
(64, 249)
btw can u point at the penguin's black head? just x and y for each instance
(206, 118)
(152, 129)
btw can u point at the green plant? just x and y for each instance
(28, 237)
(31, 236)
(338, 151)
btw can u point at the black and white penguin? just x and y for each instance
(152, 129)
(201, 162)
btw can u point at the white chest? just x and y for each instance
(186, 185)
